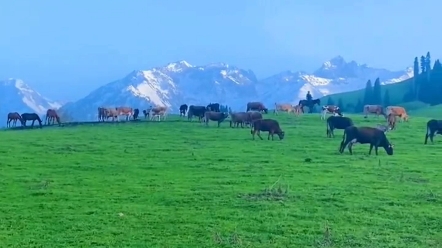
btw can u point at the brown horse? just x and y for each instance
(51, 115)
(14, 116)
(31, 117)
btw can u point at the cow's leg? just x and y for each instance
(219, 122)
(33, 121)
(350, 146)
(371, 148)
(259, 134)
(253, 134)
(242, 124)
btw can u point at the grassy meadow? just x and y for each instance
(181, 184)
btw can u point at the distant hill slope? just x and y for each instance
(396, 92)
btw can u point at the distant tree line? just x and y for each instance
(426, 87)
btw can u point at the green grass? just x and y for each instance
(180, 184)
(396, 92)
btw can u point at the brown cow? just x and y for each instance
(107, 113)
(397, 111)
(374, 109)
(253, 116)
(239, 118)
(285, 107)
(257, 106)
(266, 125)
(160, 111)
(365, 135)
(391, 121)
(215, 116)
(128, 112)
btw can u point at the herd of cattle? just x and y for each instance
(253, 117)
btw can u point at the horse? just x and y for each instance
(31, 117)
(14, 116)
(310, 105)
(51, 115)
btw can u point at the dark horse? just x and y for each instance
(183, 110)
(31, 117)
(310, 105)
(14, 117)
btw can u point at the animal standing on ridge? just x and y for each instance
(183, 110)
(14, 117)
(160, 111)
(198, 111)
(51, 115)
(126, 111)
(31, 117)
(365, 135)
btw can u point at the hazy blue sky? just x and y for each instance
(65, 49)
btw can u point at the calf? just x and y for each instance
(433, 127)
(215, 116)
(337, 122)
(283, 107)
(238, 118)
(198, 111)
(365, 135)
(374, 109)
(397, 111)
(266, 125)
(136, 113)
(183, 110)
(330, 109)
(214, 107)
(257, 106)
(391, 121)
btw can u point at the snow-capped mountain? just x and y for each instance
(334, 76)
(17, 96)
(181, 82)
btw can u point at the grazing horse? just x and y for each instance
(310, 105)
(183, 110)
(14, 116)
(31, 117)
(51, 115)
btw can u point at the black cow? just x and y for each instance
(215, 116)
(253, 116)
(214, 107)
(266, 125)
(136, 113)
(365, 135)
(198, 111)
(183, 110)
(337, 122)
(433, 127)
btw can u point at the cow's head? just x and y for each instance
(389, 149)
(281, 135)
(266, 110)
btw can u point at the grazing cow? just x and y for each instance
(128, 112)
(214, 107)
(374, 109)
(239, 118)
(285, 107)
(253, 116)
(330, 109)
(337, 122)
(267, 125)
(433, 127)
(397, 111)
(136, 113)
(198, 111)
(365, 135)
(183, 110)
(383, 128)
(215, 116)
(257, 106)
(158, 112)
(391, 121)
